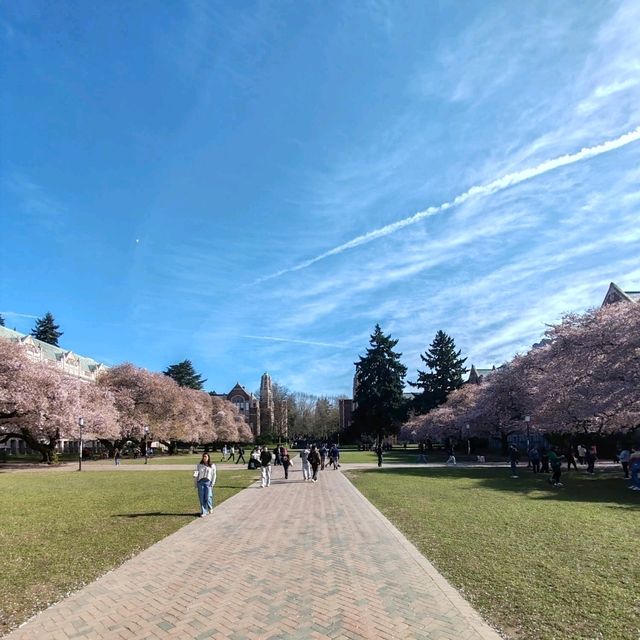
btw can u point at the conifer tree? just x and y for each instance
(380, 405)
(446, 371)
(47, 330)
(185, 375)
(1, 320)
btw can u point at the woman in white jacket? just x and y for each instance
(204, 477)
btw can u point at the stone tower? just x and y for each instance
(266, 405)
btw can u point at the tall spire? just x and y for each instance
(266, 405)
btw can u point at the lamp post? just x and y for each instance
(527, 420)
(80, 425)
(468, 441)
(146, 444)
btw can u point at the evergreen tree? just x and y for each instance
(380, 405)
(46, 330)
(445, 375)
(185, 375)
(1, 320)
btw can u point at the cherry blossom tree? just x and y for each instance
(41, 404)
(583, 379)
(145, 401)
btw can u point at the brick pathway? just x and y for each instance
(296, 560)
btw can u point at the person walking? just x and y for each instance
(452, 455)
(224, 453)
(592, 456)
(116, 457)
(232, 453)
(544, 461)
(582, 453)
(204, 478)
(534, 457)
(266, 457)
(323, 456)
(379, 454)
(421, 456)
(623, 459)
(335, 456)
(556, 468)
(286, 461)
(569, 457)
(314, 461)
(634, 466)
(306, 468)
(513, 459)
(276, 455)
(240, 455)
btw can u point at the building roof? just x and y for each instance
(86, 367)
(616, 294)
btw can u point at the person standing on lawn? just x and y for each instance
(314, 461)
(623, 459)
(592, 455)
(534, 458)
(556, 468)
(634, 466)
(204, 477)
(513, 459)
(569, 457)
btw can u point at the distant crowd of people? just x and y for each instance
(543, 460)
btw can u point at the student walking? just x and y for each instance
(569, 457)
(634, 466)
(286, 461)
(116, 457)
(623, 459)
(592, 456)
(379, 453)
(240, 455)
(314, 461)
(266, 457)
(224, 453)
(335, 456)
(306, 468)
(556, 468)
(513, 459)
(204, 478)
(534, 458)
(323, 456)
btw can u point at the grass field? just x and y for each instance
(538, 562)
(60, 530)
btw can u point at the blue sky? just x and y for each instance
(172, 174)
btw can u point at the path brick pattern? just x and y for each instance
(293, 561)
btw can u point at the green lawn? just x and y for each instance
(393, 456)
(60, 530)
(538, 562)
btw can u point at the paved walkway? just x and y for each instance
(294, 561)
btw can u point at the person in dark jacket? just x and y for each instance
(314, 461)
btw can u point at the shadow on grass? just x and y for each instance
(191, 514)
(605, 488)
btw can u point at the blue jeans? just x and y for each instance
(635, 470)
(205, 494)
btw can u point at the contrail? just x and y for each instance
(309, 342)
(478, 191)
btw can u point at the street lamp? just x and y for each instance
(146, 444)
(527, 420)
(80, 425)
